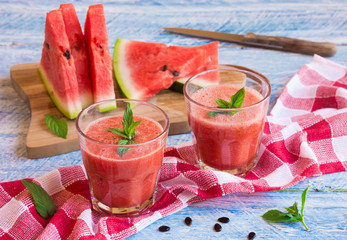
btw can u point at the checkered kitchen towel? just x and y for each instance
(304, 136)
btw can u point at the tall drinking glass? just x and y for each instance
(227, 137)
(122, 177)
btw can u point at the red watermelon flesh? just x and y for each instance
(100, 60)
(142, 69)
(211, 63)
(57, 68)
(79, 53)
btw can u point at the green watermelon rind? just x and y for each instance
(117, 71)
(120, 72)
(60, 107)
(177, 86)
(105, 107)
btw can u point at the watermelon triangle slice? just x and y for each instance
(142, 69)
(78, 52)
(211, 62)
(57, 69)
(100, 60)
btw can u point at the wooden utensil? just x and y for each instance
(325, 49)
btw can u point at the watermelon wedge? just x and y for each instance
(78, 52)
(142, 69)
(100, 60)
(210, 63)
(57, 69)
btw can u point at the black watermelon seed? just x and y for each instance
(164, 228)
(164, 68)
(100, 46)
(217, 227)
(67, 54)
(47, 45)
(188, 221)
(223, 219)
(251, 235)
(175, 73)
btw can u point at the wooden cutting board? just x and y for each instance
(41, 142)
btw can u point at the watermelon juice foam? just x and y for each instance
(122, 182)
(227, 138)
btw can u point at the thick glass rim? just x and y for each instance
(247, 72)
(165, 130)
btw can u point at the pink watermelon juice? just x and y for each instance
(226, 141)
(122, 184)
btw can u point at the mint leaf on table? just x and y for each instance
(128, 131)
(236, 101)
(57, 125)
(303, 200)
(292, 214)
(43, 203)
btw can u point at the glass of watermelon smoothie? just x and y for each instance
(122, 175)
(227, 132)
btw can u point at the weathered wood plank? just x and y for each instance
(22, 27)
(325, 221)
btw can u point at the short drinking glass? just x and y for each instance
(122, 177)
(226, 134)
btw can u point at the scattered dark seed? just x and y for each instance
(164, 68)
(76, 48)
(100, 46)
(251, 235)
(67, 54)
(217, 227)
(47, 45)
(164, 228)
(223, 219)
(176, 73)
(188, 221)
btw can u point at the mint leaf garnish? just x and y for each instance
(117, 131)
(128, 131)
(57, 125)
(43, 203)
(292, 214)
(236, 101)
(122, 150)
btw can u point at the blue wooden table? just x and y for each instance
(21, 37)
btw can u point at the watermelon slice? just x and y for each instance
(78, 52)
(142, 69)
(100, 60)
(57, 69)
(211, 63)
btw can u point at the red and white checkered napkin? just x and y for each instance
(305, 135)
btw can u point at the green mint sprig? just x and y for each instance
(57, 125)
(292, 215)
(128, 131)
(236, 101)
(43, 203)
